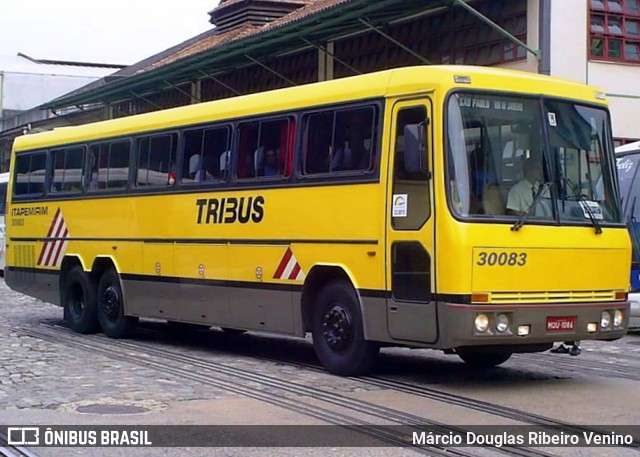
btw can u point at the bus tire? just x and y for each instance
(338, 334)
(477, 358)
(78, 298)
(111, 315)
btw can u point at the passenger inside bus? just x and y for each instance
(522, 194)
(271, 163)
(194, 165)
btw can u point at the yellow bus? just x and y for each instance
(472, 210)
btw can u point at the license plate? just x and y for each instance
(561, 324)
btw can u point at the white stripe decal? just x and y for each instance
(53, 250)
(289, 268)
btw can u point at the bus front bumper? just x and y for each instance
(634, 299)
(530, 325)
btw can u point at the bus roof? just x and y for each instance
(387, 83)
(630, 147)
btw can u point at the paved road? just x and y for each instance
(49, 375)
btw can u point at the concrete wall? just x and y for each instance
(622, 85)
(570, 39)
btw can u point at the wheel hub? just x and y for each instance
(76, 301)
(336, 326)
(111, 303)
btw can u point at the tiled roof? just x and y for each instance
(225, 3)
(313, 7)
(206, 43)
(216, 41)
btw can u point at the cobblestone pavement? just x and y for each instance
(44, 382)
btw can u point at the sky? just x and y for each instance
(107, 31)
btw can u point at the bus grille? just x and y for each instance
(555, 297)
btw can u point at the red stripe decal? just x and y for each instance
(44, 246)
(53, 223)
(295, 271)
(283, 264)
(58, 231)
(58, 249)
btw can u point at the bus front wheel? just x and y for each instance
(338, 335)
(78, 298)
(477, 358)
(111, 315)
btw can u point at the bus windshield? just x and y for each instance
(498, 159)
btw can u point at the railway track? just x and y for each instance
(604, 369)
(10, 450)
(330, 407)
(514, 414)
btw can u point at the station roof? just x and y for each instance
(22, 63)
(212, 53)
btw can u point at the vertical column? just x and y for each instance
(325, 62)
(108, 111)
(196, 91)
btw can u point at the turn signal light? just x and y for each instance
(480, 298)
(620, 295)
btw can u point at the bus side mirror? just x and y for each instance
(415, 149)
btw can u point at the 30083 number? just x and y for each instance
(510, 259)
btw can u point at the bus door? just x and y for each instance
(411, 307)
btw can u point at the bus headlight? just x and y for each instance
(482, 323)
(502, 323)
(618, 318)
(605, 319)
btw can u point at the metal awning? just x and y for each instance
(343, 18)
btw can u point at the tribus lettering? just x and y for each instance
(230, 210)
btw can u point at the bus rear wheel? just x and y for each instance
(478, 358)
(111, 315)
(78, 298)
(338, 334)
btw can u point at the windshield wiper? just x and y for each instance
(584, 205)
(536, 198)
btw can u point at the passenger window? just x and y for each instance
(108, 166)
(340, 140)
(265, 149)
(206, 155)
(67, 170)
(30, 173)
(156, 160)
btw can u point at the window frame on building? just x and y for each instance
(614, 30)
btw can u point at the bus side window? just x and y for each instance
(354, 139)
(109, 165)
(203, 150)
(340, 140)
(317, 144)
(264, 148)
(66, 170)
(30, 173)
(156, 160)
